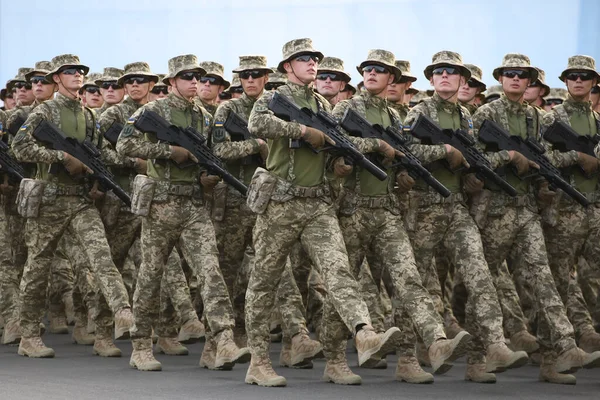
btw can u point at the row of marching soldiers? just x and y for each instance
(316, 238)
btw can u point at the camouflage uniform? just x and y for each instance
(213, 69)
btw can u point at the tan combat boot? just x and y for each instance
(123, 322)
(209, 353)
(58, 324)
(568, 361)
(171, 347)
(191, 332)
(338, 371)
(33, 347)
(142, 357)
(444, 351)
(589, 341)
(524, 341)
(104, 345)
(477, 373)
(261, 373)
(304, 349)
(452, 327)
(81, 335)
(409, 370)
(240, 337)
(12, 332)
(423, 354)
(91, 325)
(228, 354)
(67, 299)
(500, 358)
(372, 347)
(548, 373)
(285, 357)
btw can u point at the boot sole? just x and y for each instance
(133, 365)
(190, 340)
(354, 382)
(464, 338)
(518, 363)
(25, 354)
(228, 364)
(15, 340)
(182, 353)
(593, 364)
(569, 382)
(481, 380)
(416, 381)
(83, 343)
(108, 355)
(275, 382)
(121, 335)
(303, 365)
(370, 358)
(306, 358)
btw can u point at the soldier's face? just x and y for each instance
(186, 88)
(24, 96)
(447, 83)
(579, 87)
(208, 91)
(9, 102)
(377, 82)
(71, 82)
(253, 87)
(396, 91)
(93, 100)
(305, 71)
(467, 93)
(514, 85)
(112, 95)
(42, 91)
(328, 88)
(138, 91)
(532, 93)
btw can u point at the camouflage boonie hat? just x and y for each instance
(449, 58)
(90, 79)
(384, 58)
(333, 64)
(476, 75)
(215, 69)
(579, 63)
(277, 77)
(41, 67)
(21, 72)
(404, 67)
(412, 91)
(66, 60)
(251, 63)
(188, 62)
(350, 88)
(418, 97)
(235, 82)
(139, 68)
(160, 80)
(110, 74)
(557, 94)
(3, 93)
(295, 48)
(495, 90)
(514, 60)
(542, 80)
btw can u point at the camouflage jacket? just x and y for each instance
(119, 113)
(401, 109)
(211, 108)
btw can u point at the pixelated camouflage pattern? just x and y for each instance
(296, 47)
(542, 80)
(235, 81)
(476, 74)
(582, 63)
(277, 77)
(41, 67)
(139, 68)
(248, 63)
(109, 74)
(557, 93)
(90, 79)
(160, 80)
(515, 60)
(446, 57)
(66, 60)
(188, 62)
(213, 68)
(404, 67)
(20, 77)
(381, 57)
(333, 64)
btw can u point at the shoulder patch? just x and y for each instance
(131, 120)
(218, 135)
(23, 127)
(206, 121)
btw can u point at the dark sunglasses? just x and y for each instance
(39, 79)
(535, 84)
(273, 85)
(72, 71)
(255, 74)
(332, 77)
(109, 84)
(92, 89)
(584, 76)
(595, 90)
(236, 90)
(21, 85)
(213, 80)
(190, 75)
(307, 58)
(159, 90)
(137, 79)
(225, 96)
(554, 101)
(377, 68)
(473, 83)
(449, 71)
(519, 73)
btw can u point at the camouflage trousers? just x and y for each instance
(314, 223)
(182, 221)
(62, 279)
(121, 236)
(515, 234)
(576, 233)
(380, 237)
(513, 316)
(447, 228)
(13, 256)
(589, 281)
(78, 217)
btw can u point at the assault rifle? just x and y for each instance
(237, 128)
(191, 140)
(113, 132)
(9, 165)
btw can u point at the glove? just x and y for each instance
(315, 137)
(141, 166)
(95, 192)
(74, 166)
(455, 158)
(471, 184)
(587, 162)
(545, 195)
(263, 149)
(388, 152)
(340, 168)
(404, 181)
(521, 163)
(5, 187)
(181, 155)
(209, 181)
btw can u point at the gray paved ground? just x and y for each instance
(75, 373)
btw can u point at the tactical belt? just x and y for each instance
(374, 202)
(70, 190)
(304, 191)
(433, 197)
(183, 190)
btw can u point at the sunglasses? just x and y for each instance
(449, 71)
(584, 76)
(473, 83)
(535, 84)
(377, 68)
(519, 73)
(92, 89)
(21, 85)
(273, 85)
(190, 75)
(159, 90)
(72, 71)
(554, 101)
(137, 79)
(109, 84)
(38, 79)
(213, 80)
(225, 96)
(595, 90)
(236, 90)
(307, 58)
(332, 77)
(255, 74)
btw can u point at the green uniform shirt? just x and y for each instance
(583, 122)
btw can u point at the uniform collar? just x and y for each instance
(444, 105)
(64, 101)
(581, 107)
(178, 102)
(513, 107)
(374, 101)
(305, 91)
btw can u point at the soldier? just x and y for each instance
(512, 230)
(468, 93)
(112, 93)
(371, 223)
(595, 97)
(177, 215)
(347, 93)
(23, 92)
(417, 98)
(575, 229)
(493, 93)
(331, 79)
(300, 208)
(236, 90)
(65, 207)
(439, 224)
(536, 91)
(555, 97)
(396, 91)
(276, 79)
(7, 99)
(160, 90)
(90, 92)
(211, 85)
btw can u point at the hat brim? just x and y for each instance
(152, 77)
(428, 72)
(411, 91)
(242, 69)
(165, 80)
(335, 71)
(481, 84)
(226, 83)
(300, 53)
(11, 83)
(38, 71)
(563, 74)
(85, 69)
(393, 69)
(533, 72)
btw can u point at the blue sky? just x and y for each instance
(113, 33)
